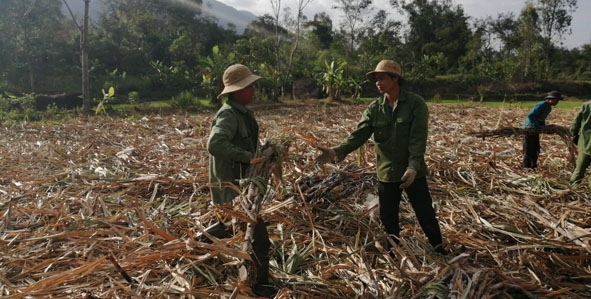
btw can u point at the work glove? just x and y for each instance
(328, 155)
(408, 178)
(576, 139)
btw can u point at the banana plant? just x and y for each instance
(212, 69)
(332, 79)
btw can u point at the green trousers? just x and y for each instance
(583, 162)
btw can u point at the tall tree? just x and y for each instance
(322, 29)
(478, 49)
(529, 37)
(86, 100)
(353, 13)
(30, 31)
(555, 21)
(506, 29)
(436, 26)
(157, 42)
(382, 39)
(299, 18)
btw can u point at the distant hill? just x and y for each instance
(224, 14)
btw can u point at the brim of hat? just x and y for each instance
(240, 85)
(372, 75)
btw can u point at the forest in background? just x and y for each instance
(149, 49)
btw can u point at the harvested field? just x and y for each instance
(110, 208)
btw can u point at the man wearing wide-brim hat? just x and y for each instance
(398, 123)
(233, 140)
(232, 146)
(536, 118)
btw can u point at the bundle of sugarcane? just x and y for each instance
(561, 131)
(256, 237)
(510, 131)
(341, 183)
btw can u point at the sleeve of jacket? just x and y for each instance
(358, 137)
(220, 139)
(575, 125)
(417, 144)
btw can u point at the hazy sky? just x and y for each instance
(581, 25)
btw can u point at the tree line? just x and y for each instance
(160, 49)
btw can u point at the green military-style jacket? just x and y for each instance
(233, 141)
(400, 136)
(581, 125)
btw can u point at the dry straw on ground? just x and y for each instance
(109, 208)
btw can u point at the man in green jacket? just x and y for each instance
(581, 130)
(232, 146)
(233, 140)
(398, 122)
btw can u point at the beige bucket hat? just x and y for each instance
(237, 77)
(385, 66)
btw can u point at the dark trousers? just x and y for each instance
(531, 150)
(420, 199)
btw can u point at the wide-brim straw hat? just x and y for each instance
(554, 95)
(237, 77)
(385, 66)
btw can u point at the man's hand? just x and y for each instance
(408, 178)
(328, 155)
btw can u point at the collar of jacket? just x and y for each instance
(401, 99)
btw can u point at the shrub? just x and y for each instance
(185, 101)
(133, 97)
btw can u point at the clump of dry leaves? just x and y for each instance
(110, 208)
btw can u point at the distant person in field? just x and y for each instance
(233, 140)
(536, 118)
(398, 122)
(581, 130)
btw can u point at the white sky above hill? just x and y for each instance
(581, 25)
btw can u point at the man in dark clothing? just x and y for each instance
(398, 122)
(536, 118)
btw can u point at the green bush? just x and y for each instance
(133, 97)
(185, 101)
(13, 108)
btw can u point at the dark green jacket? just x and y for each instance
(400, 136)
(233, 141)
(581, 125)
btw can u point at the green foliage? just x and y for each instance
(332, 79)
(185, 101)
(55, 113)
(123, 82)
(14, 108)
(173, 77)
(436, 98)
(34, 43)
(290, 260)
(163, 47)
(212, 70)
(436, 290)
(133, 97)
(107, 96)
(436, 27)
